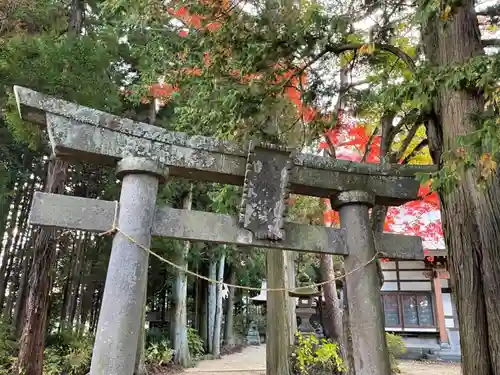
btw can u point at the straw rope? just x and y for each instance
(115, 229)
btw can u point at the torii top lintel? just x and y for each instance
(83, 133)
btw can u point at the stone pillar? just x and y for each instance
(290, 256)
(367, 347)
(122, 303)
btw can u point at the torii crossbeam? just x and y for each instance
(145, 154)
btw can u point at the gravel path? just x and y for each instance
(252, 361)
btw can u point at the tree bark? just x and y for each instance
(21, 295)
(31, 346)
(181, 347)
(66, 290)
(470, 213)
(21, 243)
(333, 311)
(229, 323)
(197, 296)
(290, 257)
(204, 311)
(19, 256)
(5, 207)
(87, 294)
(16, 250)
(212, 303)
(76, 278)
(9, 251)
(219, 310)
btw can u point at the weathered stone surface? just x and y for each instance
(139, 165)
(353, 197)
(86, 134)
(253, 336)
(119, 325)
(265, 191)
(33, 105)
(81, 141)
(364, 313)
(97, 216)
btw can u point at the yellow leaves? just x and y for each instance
(492, 28)
(312, 352)
(367, 49)
(422, 157)
(445, 13)
(487, 166)
(401, 26)
(406, 44)
(493, 98)
(346, 58)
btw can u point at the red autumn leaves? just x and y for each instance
(419, 217)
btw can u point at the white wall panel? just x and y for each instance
(415, 286)
(389, 286)
(404, 265)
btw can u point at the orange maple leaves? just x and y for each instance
(351, 141)
(195, 20)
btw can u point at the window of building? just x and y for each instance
(408, 310)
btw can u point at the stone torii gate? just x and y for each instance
(146, 155)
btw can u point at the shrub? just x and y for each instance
(156, 335)
(8, 348)
(158, 353)
(67, 352)
(396, 347)
(240, 324)
(313, 356)
(157, 342)
(195, 343)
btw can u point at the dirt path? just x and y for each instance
(252, 361)
(429, 368)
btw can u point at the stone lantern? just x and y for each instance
(305, 309)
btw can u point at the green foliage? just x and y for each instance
(72, 68)
(320, 356)
(155, 335)
(316, 356)
(38, 52)
(158, 346)
(225, 199)
(307, 210)
(8, 348)
(240, 324)
(396, 348)
(260, 322)
(67, 352)
(158, 353)
(195, 343)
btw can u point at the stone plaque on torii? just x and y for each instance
(146, 155)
